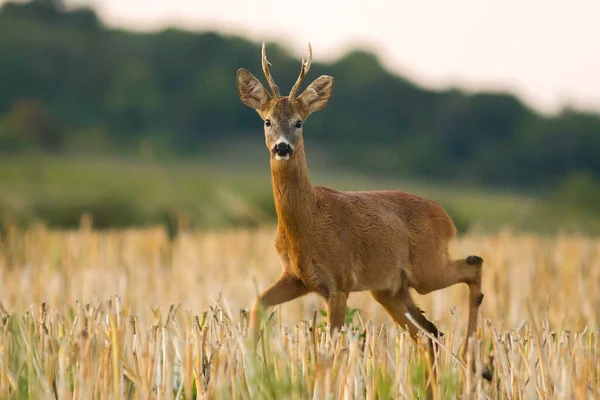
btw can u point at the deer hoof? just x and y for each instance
(431, 328)
(479, 300)
(487, 374)
(474, 260)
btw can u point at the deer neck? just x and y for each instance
(293, 192)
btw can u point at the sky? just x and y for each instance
(545, 51)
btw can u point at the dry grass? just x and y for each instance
(130, 314)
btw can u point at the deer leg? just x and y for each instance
(336, 311)
(466, 271)
(475, 296)
(397, 305)
(475, 300)
(285, 289)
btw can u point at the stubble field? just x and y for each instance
(135, 314)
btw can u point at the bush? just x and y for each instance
(105, 212)
(579, 189)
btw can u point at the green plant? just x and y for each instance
(349, 319)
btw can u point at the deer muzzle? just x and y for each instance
(282, 150)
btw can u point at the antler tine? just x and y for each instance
(303, 71)
(309, 61)
(265, 67)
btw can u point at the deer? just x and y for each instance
(333, 242)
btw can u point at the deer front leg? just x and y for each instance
(336, 311)
(287, 288)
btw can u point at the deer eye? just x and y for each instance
(299, 124)
(267, 122)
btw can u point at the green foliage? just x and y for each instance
(449, 384)
(70, 84)
(106, 212)
(116, 192)
(73, 87)
(581, 189)
(384, 386)
(418, 378)
(29, 126)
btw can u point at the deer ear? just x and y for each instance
(251, 91)
(317, 94)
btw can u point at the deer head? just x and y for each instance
(283, 116)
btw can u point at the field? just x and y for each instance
(222, 190)
(134, 314)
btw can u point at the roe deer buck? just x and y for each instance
(333, 242)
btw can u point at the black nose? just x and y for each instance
(282, 149)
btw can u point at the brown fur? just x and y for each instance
(333, 243)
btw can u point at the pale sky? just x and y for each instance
(545, 51)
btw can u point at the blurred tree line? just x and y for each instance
(70, 84)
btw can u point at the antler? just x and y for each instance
(303, 71)
(265, 67)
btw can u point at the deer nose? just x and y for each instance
(282, 149)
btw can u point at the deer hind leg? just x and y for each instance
(398, 305)
(441, 275)
(466, 271)
(285, 289)
(435, 274)
(475, 263)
